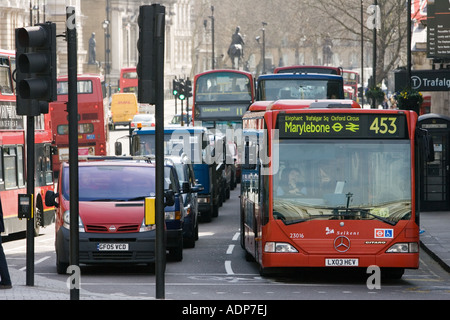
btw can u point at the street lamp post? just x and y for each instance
(105, 25)
(374, 62)
(362, 54)
(264, 46)
(212, 37)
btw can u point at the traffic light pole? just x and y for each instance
(150, 70)
(30, 190)
(159, 141)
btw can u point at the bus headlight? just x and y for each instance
(279, 247)
(66, 219)
(404, 247)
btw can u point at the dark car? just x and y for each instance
(174, 215)
(189, 188)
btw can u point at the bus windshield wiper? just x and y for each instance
(347, 211)
(289, 222)
(366, 211)
(280, 216)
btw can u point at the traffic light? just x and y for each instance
(148, 46)
(188, 88)
(35, 68)
(175, 87)
(182, 93)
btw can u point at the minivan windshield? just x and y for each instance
(112, 183)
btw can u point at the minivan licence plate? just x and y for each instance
(112, 247)
(338, 262)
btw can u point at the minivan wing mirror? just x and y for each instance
(50, 199)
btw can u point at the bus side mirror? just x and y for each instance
(118, 148)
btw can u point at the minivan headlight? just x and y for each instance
(66, 220)
(145, 228)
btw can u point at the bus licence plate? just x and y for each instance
(112, 247)
(341, 262)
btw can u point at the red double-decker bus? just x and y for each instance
(221, 97)
(330, 187)
(128, 81)
(13, 155)
(92, 118)
(351, 80)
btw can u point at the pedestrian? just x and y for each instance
(5, 280)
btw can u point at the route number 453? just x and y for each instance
(383, 125)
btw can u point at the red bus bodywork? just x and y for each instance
(13, 154)
(128, 81)
(316, 242)
(92, 115)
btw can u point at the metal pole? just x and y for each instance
(264, 48)
(374, 62)
(30, 190)
(160, 249)
(72, 108)
(408, 45)
(212, 37)
(362, 54)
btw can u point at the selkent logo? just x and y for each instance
(384, 233)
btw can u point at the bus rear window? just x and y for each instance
(82, 128)
(83, 86)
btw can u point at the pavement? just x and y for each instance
(434, 239)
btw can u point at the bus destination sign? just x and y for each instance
(220, 111)
(342, 125)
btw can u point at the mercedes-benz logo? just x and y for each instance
(342, 244)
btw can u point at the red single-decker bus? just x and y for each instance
(330, 187)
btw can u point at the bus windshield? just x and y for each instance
(223, 86)
(351, 179)
(275, 89)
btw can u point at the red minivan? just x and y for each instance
(111, 213)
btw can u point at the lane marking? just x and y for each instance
(230, 249)
(236, 236)
(36, 262)
(228, 267)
